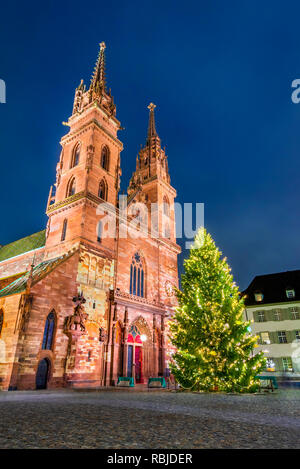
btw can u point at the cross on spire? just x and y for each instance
(98, 77)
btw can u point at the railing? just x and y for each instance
(138, 299)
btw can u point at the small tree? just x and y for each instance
(213, 342)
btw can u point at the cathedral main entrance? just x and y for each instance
(135, 354)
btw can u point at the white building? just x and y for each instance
(273, 307)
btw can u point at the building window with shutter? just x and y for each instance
(270, 365)
(265, 338)
(277, 315)
(282, 337)
(287, 364)
(261, 316)
(295, 314)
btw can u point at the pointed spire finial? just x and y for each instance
(151, 127)
(98, 77)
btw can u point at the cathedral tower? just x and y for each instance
(88, 171)
(151, 183)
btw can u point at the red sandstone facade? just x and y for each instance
(125, 275)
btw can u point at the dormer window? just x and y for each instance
(290, 293)
(258, 296)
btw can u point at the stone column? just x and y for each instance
(133, 363)
(154, 368)
(124, 342)
(108, 351)
(163, 347)
(114, 349)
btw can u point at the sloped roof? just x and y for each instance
(29, 243)
(273, 287)
(39, 272)
(7, 280)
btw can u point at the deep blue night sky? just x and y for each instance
(220, 74)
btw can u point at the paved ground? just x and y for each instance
(124, 419)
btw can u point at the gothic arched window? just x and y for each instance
(167, 233)
(1, 320)
(166, 206)
(49, 332)
(71, 187)
(99, 231)
(64, 230)
(137, 276)
(105, 158)
(75, 156)
(102, 193)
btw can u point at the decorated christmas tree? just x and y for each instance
(213, 342)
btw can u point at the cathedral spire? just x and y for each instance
(98, 77)
(151, 126)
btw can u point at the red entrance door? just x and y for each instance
(138, 364)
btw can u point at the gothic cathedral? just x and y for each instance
(88, 299)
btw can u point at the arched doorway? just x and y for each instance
(138, 342)
(42, 374)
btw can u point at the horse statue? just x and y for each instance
(77, 320)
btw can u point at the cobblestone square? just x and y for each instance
(126, 419)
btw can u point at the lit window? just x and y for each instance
(261, 316)
(287, 364)
(270, 365)
(277, 315)
(290, 293)
(258, 296)
(265, 338)
(282, 337)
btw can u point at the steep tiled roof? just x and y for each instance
(34, 241)
(39, 272)
(273, 287)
